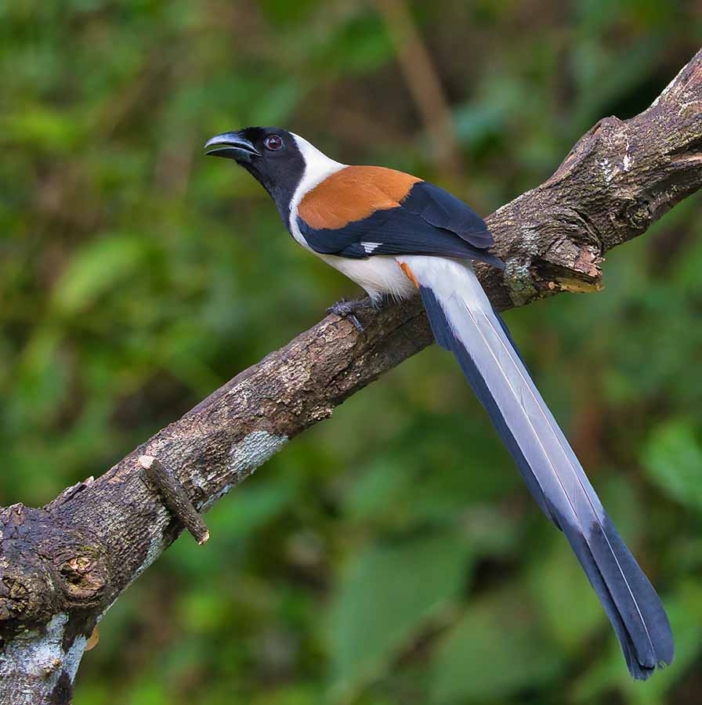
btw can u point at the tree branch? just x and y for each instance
(63, 566)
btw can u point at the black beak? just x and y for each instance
(231, 145)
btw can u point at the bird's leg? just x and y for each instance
(345, 308)
(349, 309)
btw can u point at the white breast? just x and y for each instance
(377, 275)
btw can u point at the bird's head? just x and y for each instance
(272, 155)
(278, 159)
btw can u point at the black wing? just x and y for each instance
(429, 221)
(443, 210)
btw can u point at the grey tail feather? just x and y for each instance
(478, 338)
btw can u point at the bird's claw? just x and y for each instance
(348, 309)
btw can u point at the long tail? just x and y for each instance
(464, 322)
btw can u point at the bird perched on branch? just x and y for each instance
(395, 234)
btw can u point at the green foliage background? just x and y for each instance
(390, 555)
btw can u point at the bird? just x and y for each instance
(397, 235)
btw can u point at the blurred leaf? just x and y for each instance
(409, 483)
(377, 489)
(252, 506)
(284, 12)
(558, 584)
(43, 375)
(494, 651)
(293, 695)
(386, 595)
(603, 78)
(673, 460)
(44, 128)
(278, 103)
(97, 268)
(358, 46)
(476, 121)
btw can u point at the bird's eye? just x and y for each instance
(273, 143)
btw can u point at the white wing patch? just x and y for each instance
(370, 247)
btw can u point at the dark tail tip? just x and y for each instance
(646, 636)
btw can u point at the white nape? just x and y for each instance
(318, 166)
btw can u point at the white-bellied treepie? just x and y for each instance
(396, 234)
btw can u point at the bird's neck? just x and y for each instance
(318, 166)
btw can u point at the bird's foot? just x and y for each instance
(349, 309)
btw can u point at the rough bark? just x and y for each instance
(63, 566)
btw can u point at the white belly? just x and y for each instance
(377, 275)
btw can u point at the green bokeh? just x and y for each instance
(391, 555)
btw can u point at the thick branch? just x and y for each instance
(62, 566)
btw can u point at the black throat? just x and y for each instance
(280, 174)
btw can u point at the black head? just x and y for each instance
(270, 154)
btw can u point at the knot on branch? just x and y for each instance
(14, 598)
(84, 578)
(45, 568)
